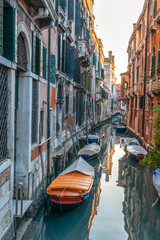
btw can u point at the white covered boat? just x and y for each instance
(136, 152)
(124, 142)
(90, 151)
(156, 180)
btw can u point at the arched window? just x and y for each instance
(60, 92)
(21, 53)
(125, 85)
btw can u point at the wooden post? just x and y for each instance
(71, 131)
(42, 166)
(77, 140)
(86, 131)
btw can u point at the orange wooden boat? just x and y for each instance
(72, 187)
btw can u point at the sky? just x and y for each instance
(114, 25)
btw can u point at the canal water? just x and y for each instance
(123, 203)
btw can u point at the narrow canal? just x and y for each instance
(123, 204)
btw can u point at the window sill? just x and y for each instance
(4, 165)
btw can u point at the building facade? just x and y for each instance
(140, 84)
(111, 81)
(52, 77)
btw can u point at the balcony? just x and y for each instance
(156, 84)
(153, 86)
(83, 54)
(149, 86)
(42, 11)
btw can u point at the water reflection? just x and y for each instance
(122, 204)
(141, 221)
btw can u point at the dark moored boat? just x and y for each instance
(120, 128)
(93, 138)
(72, 187)
(136, 152)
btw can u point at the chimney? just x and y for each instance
(113, 59)
(110, 56)
(134, 24)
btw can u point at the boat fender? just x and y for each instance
(85, 198)
(46, 196)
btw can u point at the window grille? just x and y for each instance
(21, 54)
(34, 111)
(3, 111)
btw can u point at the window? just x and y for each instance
(158, 66)
(155, 8)
(41, 124)
(67, 105)
(141, 102)
(3, 112)
(74, 105)
(34, 111)
(153, 66)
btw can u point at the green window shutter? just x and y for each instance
(56, 8)
(62, 3)
(33, 52)
(71, 10)
(102, 73)
(44, 62)
(52, 68)
(153, 66)
(158, 65)
(60, 52)
(38, 55)
(63, 55)
(1, 27)
(94, 60)
(9, 33)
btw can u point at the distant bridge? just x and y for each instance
(118, 111)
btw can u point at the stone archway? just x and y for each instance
(23, 112)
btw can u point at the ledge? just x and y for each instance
(4, 165)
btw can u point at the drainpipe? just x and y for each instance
(48, 107)
(145, 72)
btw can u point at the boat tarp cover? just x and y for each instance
(80, 165)
(156, 178)
(136, 150)
(96, 137)
(129, 141)
(90, 149)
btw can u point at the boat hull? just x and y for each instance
(66, 207)
(87, 157)
(93, 140)
(136, 157)
(120, 130)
